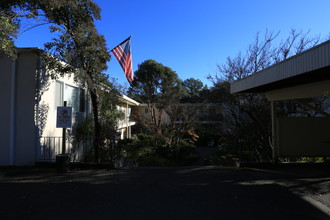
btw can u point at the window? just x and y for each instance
(71, 96)
(74, 96)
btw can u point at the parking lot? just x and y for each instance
(166, 193)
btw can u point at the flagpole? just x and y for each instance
(122, 42)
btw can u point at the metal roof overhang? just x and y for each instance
(310, 69)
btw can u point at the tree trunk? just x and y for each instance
(96, 116)
(97, 124)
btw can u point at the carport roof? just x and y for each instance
(312, 65)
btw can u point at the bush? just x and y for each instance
(187, 155)
(205, 137)
(148, 150)
(221, 158)
(154, 160)
(305, 159)
(105, 155)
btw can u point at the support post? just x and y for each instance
(63, 160)
(274, 132)
(64, 136)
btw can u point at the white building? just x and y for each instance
(30, 99)
(125, 125)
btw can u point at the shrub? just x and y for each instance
(148, 150)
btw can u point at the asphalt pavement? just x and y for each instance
(165, 193)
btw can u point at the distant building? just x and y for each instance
(204, 116)
(125, 125)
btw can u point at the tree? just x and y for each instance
(11, 13)
(168, 121)
(84, 49)
(159, 87)
(296, 43)
(248, 115)
(8, 31)
(78, 44)
(194, 91)
(263, 53)
(182, 121)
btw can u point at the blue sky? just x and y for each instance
(192, 37)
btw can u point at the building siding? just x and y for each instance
(25, 132)
(315, 58)
(6, 93)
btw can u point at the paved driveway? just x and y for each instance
(165, 193)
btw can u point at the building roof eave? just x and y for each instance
(310, 66)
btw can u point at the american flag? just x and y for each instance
(124, 56)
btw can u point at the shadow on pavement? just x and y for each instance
(159, 193)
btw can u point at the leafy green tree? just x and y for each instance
(11, 13)
(86, 51)
(194, 91)
(159, 87)
(8, 31)
(109, 113)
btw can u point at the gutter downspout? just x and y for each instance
(12, 133)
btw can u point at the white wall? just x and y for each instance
(26, 130)
(48, 99)
(19, 123)
(6, 93)
(28, 104)
(51, 141)
(17, 91)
